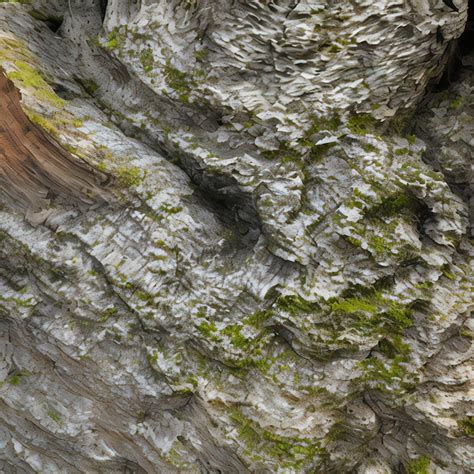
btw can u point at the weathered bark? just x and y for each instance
(234, 236)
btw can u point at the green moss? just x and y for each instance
(181, 82)
(379, 228)
(380, 245)
(355, 242)
(361, 124)
(337, 432)
(246, 430)
(388, 376)
(44, 123)
(369, 148)
(53, 124)
(456, 103)
(370, 313)
(129, 176)
(402, 151)
(116, 37)
(449, 275)
(393, 347)
(466, 333)
(201, 54)
(143, 296)
(419, 465)
(146, 59)
(22, 303)
(317, 152)
(467, 425)
(393, 205)
(16, 379)
(108, 313)
(30, 78)
(398, 315)
(259, 318)
(170, 209)
(152, 358)
(353, 305)
(89, 85)
(233, 331)
(55, 416)
(207, 329)
(294, 305)
(319, 124)
(178, 456)
(289, 452)
(400, 124)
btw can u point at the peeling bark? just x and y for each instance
(235, 236)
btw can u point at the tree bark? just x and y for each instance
(235, 236)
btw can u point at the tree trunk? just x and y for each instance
(234, 236)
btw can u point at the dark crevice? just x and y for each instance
(457, 51)
(424, 215)
(103, 8)
(52, 22)
(466, 41)
(223, 194)
(64, 92)
(219, 193)
(459, 66)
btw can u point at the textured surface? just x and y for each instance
(234, 237)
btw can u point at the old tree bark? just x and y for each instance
(234, 236)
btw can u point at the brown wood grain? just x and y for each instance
(33, 167)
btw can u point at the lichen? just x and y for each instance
(16, 379)
(372, 311)
(389, 376)
(208, 330)
(467, 426)
(55, 416)
(419, 465)
(147, 59)
(295, 304)
(129, 176)
(46, 124)
(28, 77)
(361, 124)
(181, 82)
(89, 85)
(287, 452)
(116, 37)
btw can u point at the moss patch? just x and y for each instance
(361, 124)
(146, 59)
(467, 425)
(181, 82)
(29, 78)
(294, 305)
(419, 465)
(261, 444)
(129, 176)
(16, 379)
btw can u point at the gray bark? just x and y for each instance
(235, 236)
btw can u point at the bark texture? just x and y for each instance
(234, 236)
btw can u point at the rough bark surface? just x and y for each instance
(234, 236)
